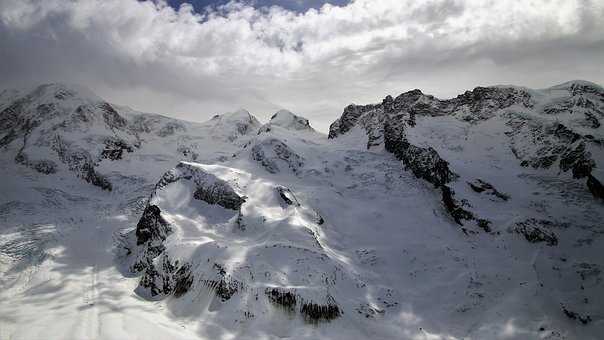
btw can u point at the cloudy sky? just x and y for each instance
(193, 60)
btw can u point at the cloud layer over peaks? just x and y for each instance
(178, 61)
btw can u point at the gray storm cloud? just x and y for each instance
(192, 65)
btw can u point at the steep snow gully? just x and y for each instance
(476, 217)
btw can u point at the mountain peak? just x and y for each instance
(579, 86)
(238, 114)
(234, 124)
(63, 91)
(288, 120)
(242, 116)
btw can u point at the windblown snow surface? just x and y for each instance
(477, 217)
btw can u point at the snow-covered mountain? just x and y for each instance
(476, 217)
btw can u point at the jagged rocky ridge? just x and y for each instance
(534, 140)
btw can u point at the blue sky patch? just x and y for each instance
(294, 5)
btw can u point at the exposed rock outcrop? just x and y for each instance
(209, 188)
(151, 231)
(483, 187)
(219, 193)
(595, 187)
(275, 156)
(533, 142)
(317, 312)
(223, 284)
(287, 196)
(162, 278)
(387, 123)
(556, 144)
(584, 319)
(285, 298)
(478, 104)
(151, 226)
(536, 231)
(115, 148)
(454, 208)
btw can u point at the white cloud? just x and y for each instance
(315, 62)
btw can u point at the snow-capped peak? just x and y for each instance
(573, 84)
(62, 92)
(288, 120)
(239, 115)
(235, 124)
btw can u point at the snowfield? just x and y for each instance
(476, 217)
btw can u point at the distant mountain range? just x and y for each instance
(473, 217)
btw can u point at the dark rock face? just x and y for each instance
(115, 148)
(349, 118)
(556, 144)
(183, 280)
(272, 152)
(311, 311)
(287, 196)
(80, 161)
(595, 187)
(481, 186)
(167, 278)
(484, 224)
(221, 194)
(483, 100)
(153, 280)
(536, 231)
(91, 176)
(584, 319)
(151, 226)
(223, 285)
(574, 156)
(315, 312)
(425, 163)
(209, 188)
(151, 231)
(282, 297)
(586, 100)
(455, 209)
(15, 124)
(111, 117)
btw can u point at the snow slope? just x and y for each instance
(419, 218)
